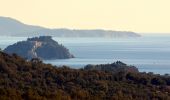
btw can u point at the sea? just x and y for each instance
(149, 53)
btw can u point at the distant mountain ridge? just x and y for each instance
(12, 27)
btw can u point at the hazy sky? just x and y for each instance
(130, 15)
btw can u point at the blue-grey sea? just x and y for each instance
(149, 53)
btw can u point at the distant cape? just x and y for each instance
(12, 27)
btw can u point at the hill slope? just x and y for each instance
(12, 27)
(25, 80)
(9, 26)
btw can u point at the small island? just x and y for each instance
(43, 47)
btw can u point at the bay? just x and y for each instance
(149, 53)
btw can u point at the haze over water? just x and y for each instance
(150, 53)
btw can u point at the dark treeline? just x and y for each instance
(33, 80)
(114, 67)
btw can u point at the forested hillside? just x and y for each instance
(34, 80)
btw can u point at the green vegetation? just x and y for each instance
(33, 80)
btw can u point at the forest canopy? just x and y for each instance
(33, 80)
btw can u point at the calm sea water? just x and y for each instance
(150, 53)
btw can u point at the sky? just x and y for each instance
(126, 15)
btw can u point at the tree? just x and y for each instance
(36, 60)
